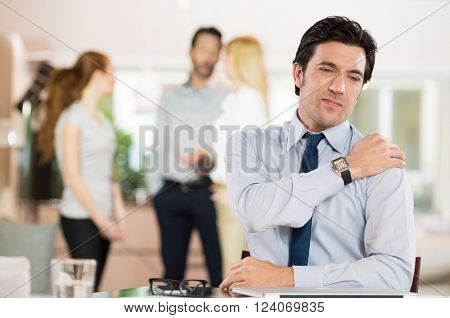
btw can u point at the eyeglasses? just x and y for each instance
(170, 287)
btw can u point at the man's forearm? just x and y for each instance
(287, 202)
(378, 271)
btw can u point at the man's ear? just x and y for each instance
(297, 75)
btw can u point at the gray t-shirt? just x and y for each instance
(97, 148)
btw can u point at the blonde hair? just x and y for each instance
(247, 65)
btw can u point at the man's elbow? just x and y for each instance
(401, 279)
(251, 223)
(249, 212)
(404, 281)
(253, 226)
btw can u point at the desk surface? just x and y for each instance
(145, 292)
(288, 292)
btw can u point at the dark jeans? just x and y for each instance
(83, 242)
(178, 213)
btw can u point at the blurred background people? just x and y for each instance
(180, 188)
(246, 106)
(84, 144)
(407, 102)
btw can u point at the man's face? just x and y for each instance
(330, 86)
(205, 54)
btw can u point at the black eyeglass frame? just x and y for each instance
(174, 284)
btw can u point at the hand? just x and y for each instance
(253, 272)
(108, 230)
(201, 160)
(192, 159)
(113, 231)
(374, 154)
(121, 230)
(219, 193)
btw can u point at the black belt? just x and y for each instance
(188, 186)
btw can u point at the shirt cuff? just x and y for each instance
(308, 276)
(326, 181)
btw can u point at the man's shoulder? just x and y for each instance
(258, 138)
(266, 133)
(356, 134)
(171, 96)
(171, 89)
(389, 175)
(183, 90)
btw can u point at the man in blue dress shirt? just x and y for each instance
(322, 205)
(179, 180)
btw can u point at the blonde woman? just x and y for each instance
(245, 107)
(84, 144)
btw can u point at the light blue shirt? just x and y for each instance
(185, 124)
(362, 234)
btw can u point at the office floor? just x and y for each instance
(132, 262)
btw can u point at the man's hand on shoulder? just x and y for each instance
(374, 154)
(252, 272)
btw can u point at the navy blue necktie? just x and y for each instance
(301, 237)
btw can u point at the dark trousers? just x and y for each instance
(80, 235)
(178, 213)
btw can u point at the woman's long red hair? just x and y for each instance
(65, 87)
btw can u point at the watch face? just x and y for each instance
(340, 164)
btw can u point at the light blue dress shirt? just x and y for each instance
(362, 234)
(185, 124)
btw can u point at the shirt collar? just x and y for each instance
(336, 136)
(212, 83)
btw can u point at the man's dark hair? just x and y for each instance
(339, 29)
(208, 30)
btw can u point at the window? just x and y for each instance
(135, 95)
(405, 112)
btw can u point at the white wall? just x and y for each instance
(157, 32)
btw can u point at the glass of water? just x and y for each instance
(73, 278)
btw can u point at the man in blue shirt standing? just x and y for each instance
(179, 178)
(322, 205)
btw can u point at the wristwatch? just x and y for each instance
(343, 169)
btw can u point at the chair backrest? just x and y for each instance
(35, 242)
(416, 277)
(245, 254)
(14, 277)
(415, 281)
